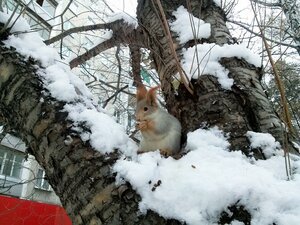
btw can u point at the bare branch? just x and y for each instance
(119, 71)
(111, 26)
(110, 43)
(268, 4)
(114, 95)
(259, 35)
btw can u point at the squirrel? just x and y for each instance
(159, 129)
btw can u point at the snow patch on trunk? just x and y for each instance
(189, 27)
(265, 141)
(203, 59)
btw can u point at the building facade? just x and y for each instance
(20, 174)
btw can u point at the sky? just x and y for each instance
(128, 6)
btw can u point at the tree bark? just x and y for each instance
(243, 108)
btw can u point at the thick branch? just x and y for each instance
(123, 33)
(135, 55)
(268, 4)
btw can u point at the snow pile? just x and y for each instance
(194, 28)
(209, 56)
(203, 59)
(266, 142)
(203, 183)
(104, 134)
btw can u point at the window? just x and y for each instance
(41, 182)
(65, 51)
(10, 163)
(117, 114)
(74, 7)
(91, 20)
(68, 25)
(38, 26)
(88, 43)
(48, 6)
(11, 5)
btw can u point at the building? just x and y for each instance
(20, 174)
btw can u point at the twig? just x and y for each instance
(280, 85)
(114, 95)
(166, 29)
(119, 70)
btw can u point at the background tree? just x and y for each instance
(291, 79)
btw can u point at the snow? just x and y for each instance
(209, 178)
(265, 141)
(183, 19)
(103, 133)
(209, 56)
(131, 20)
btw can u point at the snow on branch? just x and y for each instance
(65, 86)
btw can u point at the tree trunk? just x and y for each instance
(243, 108)
(82, 177)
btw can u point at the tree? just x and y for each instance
(80, 176)
(289, 72)
(292, 13)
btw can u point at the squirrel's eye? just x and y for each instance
(145, 109)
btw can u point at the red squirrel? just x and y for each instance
(159, 129)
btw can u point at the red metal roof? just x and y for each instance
(14, 211)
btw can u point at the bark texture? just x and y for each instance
(243, 108)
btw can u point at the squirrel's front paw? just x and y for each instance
(142, 125)
(165, 152)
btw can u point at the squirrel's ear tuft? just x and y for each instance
(151, 96)
(141, 92)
